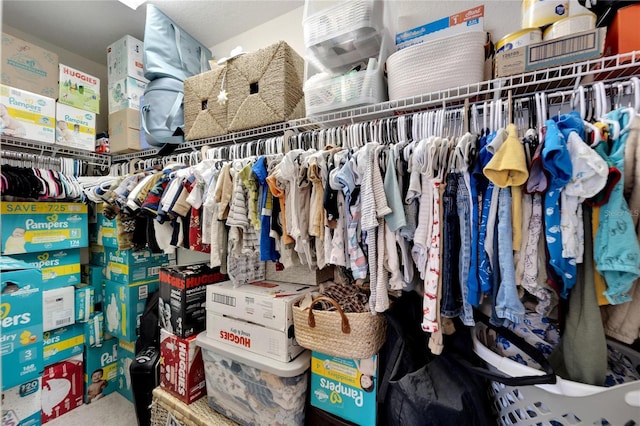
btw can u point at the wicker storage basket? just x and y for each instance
(436, 65)
(204, 116)
(265, 87)
(165, 407)
(346, 335)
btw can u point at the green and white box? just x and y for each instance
(79, 89)
(125, 93)
(27, 115)
(125, 59)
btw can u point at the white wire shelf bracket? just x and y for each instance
(52, 150)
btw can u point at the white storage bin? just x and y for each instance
(324, 92)
(339, 34)
(251, 389)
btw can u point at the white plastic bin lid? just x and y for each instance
(281, 369)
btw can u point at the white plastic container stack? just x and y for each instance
(346, 47)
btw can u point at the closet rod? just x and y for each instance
(23, 145)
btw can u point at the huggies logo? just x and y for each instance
(182, 368)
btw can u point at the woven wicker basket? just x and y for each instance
(265, 87)
(346, 335)
(165, 406)
(204, 116)
(436, 65)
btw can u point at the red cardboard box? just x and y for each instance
(181, 367)
(62, 388)
(623, 35)
(183, 297)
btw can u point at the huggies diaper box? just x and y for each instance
(181, 368)
(62, 387)
(21, 320)
(63, 343)
(27, 115)
(36, 227)
(79, 89)
(123, 305)
(126, 356)
(59, 268)
(21, 404)
(101, 371)
(75, 128)
(29, 67)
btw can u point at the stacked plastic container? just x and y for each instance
(346, 47)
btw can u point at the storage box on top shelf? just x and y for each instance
(29, 227)
(129, 266)
(125, 93)
(58, 308)
(27, 115)
(29, 67)
(183, 294)
(339, 34)
(124, 131)
(79, 89)
(21, 300)
(59, 268)
(75, 127)
(123, 305)
(264, 87)
(623, 36)
(577, 47)
(125, 59)
(62, 387)
(345, 387)
(204, 116)
(252, 389)
(126, 356)
(100, 371)
(22, 404)
(63, 343)
(181, 367)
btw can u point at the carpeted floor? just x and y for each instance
(112, 410)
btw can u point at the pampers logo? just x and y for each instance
(116, 257)
(51, 223)
(338, 390)
(45, 262)
(70, 119)
(12, 320)
(24, 105)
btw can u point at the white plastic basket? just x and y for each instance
(436, 65)
(565, 403)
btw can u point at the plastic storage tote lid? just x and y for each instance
(282, 369)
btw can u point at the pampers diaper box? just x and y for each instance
(29, 67)
(22, 403)
(79, 89)
(345, 387)
(123, 305)
(126, 356)
(59, 268)
(63, 343)
(62, 387)
(75, 128)
(36, 227)
(21, 319)
(129, 266)
(27, 115)
(100, 371)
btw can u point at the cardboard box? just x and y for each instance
(21, 404)
(21, 319)
(129, 266)
(560, 51)
(123, 306)
(263, 302)
(30, 116)
(126, 356)
(100, 371)
(84, 302)
(29, 67)
(79, 89)
(181, 367)
(623, 36)
(124, 131)
(58, 307)
(183, 293)
(125, 59)
(97, 255)
(60, 268)
(93, 276)
(63, 343)
(125, 93)
(43, 226)
(94, 330)
(275, 344)
(345, 387)
(62, 388)
(75, 128)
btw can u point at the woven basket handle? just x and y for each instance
(346, 328)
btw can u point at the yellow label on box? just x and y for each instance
(41, 208)
(63, 345)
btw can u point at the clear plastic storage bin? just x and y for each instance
(340, 34)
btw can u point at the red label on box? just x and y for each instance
(181, 367)
(62, 388)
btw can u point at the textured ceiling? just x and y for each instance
(88, 27)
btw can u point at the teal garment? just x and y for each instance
(396, 219)
(617, 252)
